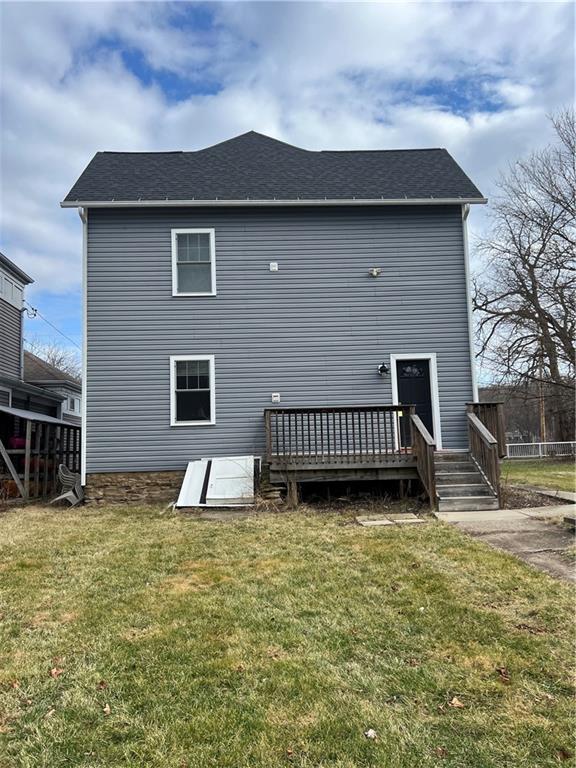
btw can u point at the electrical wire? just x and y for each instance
(36, 313)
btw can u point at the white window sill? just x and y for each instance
(192, 423)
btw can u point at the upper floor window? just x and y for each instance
(71, 404)
(11, 291)
(193, 262)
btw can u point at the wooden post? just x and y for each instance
(292, 495)
(268, 428)
(28, 448)
(12, 469)
(46, 453)
(501, 430)
(37, 443)
(55, 462)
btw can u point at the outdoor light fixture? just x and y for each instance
(374, 271)
(383, 369)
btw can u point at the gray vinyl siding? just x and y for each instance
(10, 340)
(315, 331)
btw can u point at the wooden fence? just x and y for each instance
(29, 463)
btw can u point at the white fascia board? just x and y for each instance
(236, 203)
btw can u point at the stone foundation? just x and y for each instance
(133, 487)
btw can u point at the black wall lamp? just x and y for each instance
(383, 369)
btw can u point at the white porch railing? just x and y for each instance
(540, 450)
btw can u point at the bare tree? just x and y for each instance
(526, 296)
(63, 358)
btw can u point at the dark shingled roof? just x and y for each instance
(257, 167)
(38, 370)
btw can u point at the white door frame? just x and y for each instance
(431, 357)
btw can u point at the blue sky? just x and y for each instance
(477, 78)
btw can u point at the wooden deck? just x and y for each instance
(382, 442)
(340, 443)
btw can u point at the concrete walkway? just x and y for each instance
(534, 535)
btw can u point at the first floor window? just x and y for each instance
(192, 397)
(193, 262)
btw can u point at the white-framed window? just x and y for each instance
(11, 291)
(193, 262)
(192, 390)
(71, 404)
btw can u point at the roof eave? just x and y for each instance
(32, 389)
(43, 383)
(299, 202)
(16, 271)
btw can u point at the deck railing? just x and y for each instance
(340, 435)
(492, 417)
(484, 451)
(423, 448)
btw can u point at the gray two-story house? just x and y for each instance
(311, 308)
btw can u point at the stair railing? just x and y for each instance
(492, 417)
(423, 448)
(484, 452)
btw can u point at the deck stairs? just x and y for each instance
(460, 486)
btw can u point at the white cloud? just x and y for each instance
(476, 78)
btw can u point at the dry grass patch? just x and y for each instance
(134, 638)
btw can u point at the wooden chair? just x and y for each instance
(71, 487)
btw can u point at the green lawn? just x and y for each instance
(546, 473)
(135, 638)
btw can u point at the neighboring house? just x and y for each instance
(36, 433)
(14, 390)
(255, 275)
(52, 379)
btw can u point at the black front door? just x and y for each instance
(413, 378)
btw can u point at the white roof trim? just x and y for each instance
(250, 202)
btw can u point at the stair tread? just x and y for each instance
(453, 499)
(459, 472)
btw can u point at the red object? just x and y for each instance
(17, 442)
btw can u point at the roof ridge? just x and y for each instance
(359, 151)
(144, 152)
(253, 133)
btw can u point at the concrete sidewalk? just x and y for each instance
(535, 535)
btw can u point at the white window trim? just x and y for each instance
(66, 406)
(7, 278)
(177, 358)
(175, 233)
(431, 357)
